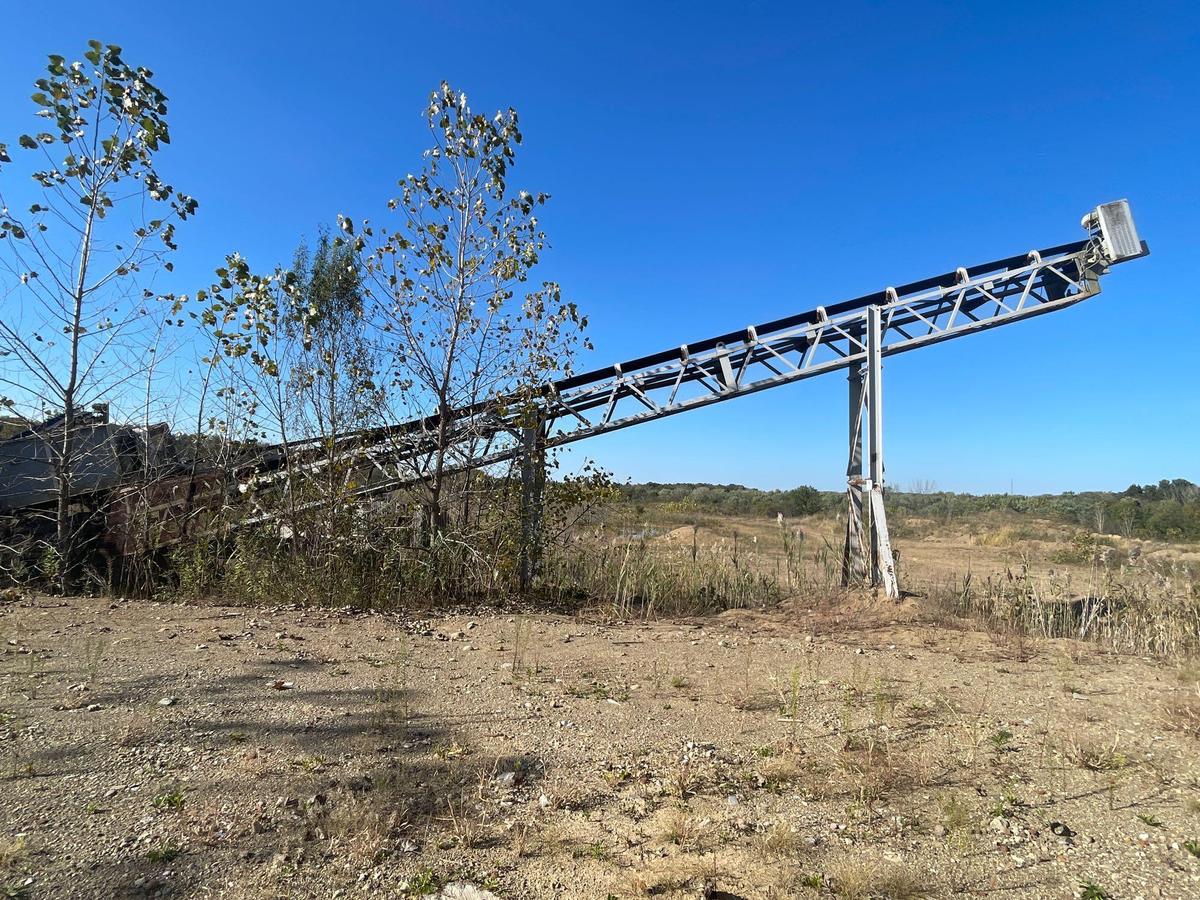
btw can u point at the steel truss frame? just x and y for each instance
(854, 335)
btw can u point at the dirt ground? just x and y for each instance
(852, 750)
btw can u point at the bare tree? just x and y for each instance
(101, 223)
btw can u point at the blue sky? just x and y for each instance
(714, 165)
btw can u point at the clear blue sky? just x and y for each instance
(713, 165)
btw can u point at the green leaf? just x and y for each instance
(40, 99)
(27, 142)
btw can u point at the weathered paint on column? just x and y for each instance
(533, 482)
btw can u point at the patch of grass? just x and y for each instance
(678, 827)
(595, 850)
(679, 682)
(1095, 756)
(467, 827)
(1000, 739)
(172, 800)
(956, 816)
(598, 690)
(92, 658)
(424, 883)
(164, 852)
(1184, 715)
(1089, 890)
(779, 771)
(780, 839)
(860, 878)
(789, 695)
(1192, 847)
(311, 763)
(1151, 820)
(13, 852)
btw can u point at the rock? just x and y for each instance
(939, 830)
(168, 701)
(461, 890)
(998, 824)
(1061, 829)
(93, 707)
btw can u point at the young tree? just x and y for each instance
(446, 282)
(101, 222)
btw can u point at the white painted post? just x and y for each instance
(883, 565)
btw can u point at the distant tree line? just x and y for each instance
(732, 499)
(1169, 510)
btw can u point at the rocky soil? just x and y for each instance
(154, 750)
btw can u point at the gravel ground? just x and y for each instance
(154, 750)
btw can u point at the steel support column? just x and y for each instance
(854, 564)
(883, 565)
(533, 482)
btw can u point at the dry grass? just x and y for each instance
(1152, 609)
(357, 828)
(1184, 714)
(677, 825)
(865, 878)
(467, 825)
(779, 839)
(1095, 756)
(777, 772)
(14, 852)
(647, 578)
(677, 873)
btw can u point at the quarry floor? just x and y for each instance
(850, 749)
